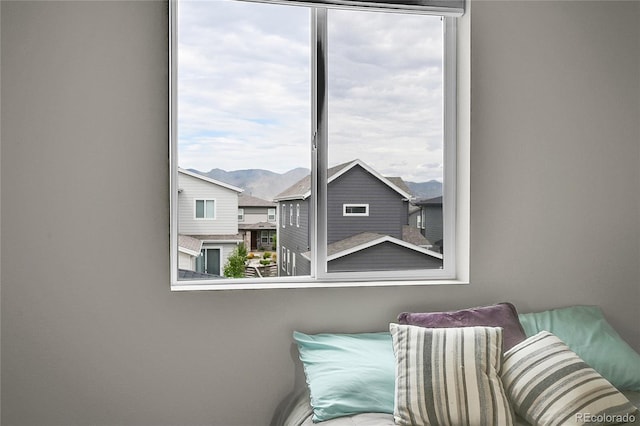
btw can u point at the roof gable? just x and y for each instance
(369, 239)
(209, 180)
(302, 188)
(246, 200)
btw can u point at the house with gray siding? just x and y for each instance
(429, 221)
(367, 224)
(207, 224)
(257, 222)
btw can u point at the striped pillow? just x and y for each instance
(449, 376)
(549, 384)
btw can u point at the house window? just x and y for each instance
(284, 216)
(266, 237)
(205, 209)
(377, 92)
(240, 215)
(290, 214)
(293, 262)
(283, 258)
(355, 209)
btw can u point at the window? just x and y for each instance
(240, 215)
(293, 261)
(419, 220)
(283, 258)
(290, 214)
(266, 237)
(284, 215)
(355, 209)
(205, 209)
(352, 112)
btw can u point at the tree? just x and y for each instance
(234, 268)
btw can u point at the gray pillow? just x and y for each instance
(549, 384)
(449, 376)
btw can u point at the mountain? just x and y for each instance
(260, 183)
(430, 189)
(266, 184)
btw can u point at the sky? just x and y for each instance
(244, 89)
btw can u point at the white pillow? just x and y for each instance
(549, 384)
(449, 376)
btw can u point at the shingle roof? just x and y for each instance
(428, 201)
(257, 226)
(186, 274)
(302, 188)
(190, 244)
(351, 242)
(365, 240)
(397, 181)
(209, 180)
(231, 238)
(413, 235)
(246, 200)
(297, 190)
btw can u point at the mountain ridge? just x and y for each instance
(266, 184)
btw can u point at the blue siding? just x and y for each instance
(387, 210)
(384, 257)
(294, 237)
(433, 223)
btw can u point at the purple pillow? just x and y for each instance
(499, 315)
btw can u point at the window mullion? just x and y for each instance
(319, 160)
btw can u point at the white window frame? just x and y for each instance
(204, 200)
(347, 214)
(455, 196)
(298, 215)
(283, 219)
(283, 258)
(240, 214)
(293, 267)
(271, 217)
(291, 214)
(288, 262)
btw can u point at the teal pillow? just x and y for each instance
(348, 373)
(585, 330)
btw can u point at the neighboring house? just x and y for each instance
(257, 222)
(429, 221)
(367, 224)
(207, 224)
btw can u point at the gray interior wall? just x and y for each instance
(91, 333)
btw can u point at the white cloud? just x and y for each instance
(244, 89)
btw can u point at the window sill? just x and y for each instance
(310, 283)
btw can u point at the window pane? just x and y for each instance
(243, 118)
(210, 209)
(199, 208)
(385, 139)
